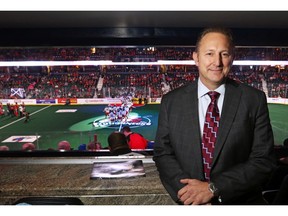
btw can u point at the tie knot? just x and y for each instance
(213, 95)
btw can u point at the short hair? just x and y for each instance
(117, 140)
(28, 147)
(225, 31)
(4, 148)
(93, 146)
(64, 145)
(126, 129)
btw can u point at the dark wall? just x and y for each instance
(131, 36)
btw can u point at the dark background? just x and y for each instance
(131, 28)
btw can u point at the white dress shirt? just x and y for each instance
(204, 101)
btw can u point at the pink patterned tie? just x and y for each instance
(211, 125)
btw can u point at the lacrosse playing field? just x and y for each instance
(78, 124)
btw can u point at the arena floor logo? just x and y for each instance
(134, 120)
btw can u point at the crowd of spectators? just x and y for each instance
(129, 54)
(114, 80)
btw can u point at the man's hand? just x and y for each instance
(195, 192)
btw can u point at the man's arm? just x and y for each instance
(164, 156)
(255, 146)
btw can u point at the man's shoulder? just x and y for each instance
(176, 94)
(136, 135)
(245, 87)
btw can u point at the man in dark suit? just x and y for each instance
(243, 158)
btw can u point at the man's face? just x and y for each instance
(214, 59)
(125, 133)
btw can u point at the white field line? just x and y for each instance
(24, 117)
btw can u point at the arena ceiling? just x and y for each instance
(20, 28)
(132, 19)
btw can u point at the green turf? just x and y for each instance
(279, 121)
(77, 127)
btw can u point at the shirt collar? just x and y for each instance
(203, 90)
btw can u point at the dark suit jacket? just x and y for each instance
(243, 157)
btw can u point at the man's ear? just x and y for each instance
(195, 58)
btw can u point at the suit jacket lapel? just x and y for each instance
(229, 110)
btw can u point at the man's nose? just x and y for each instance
(218, 60)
